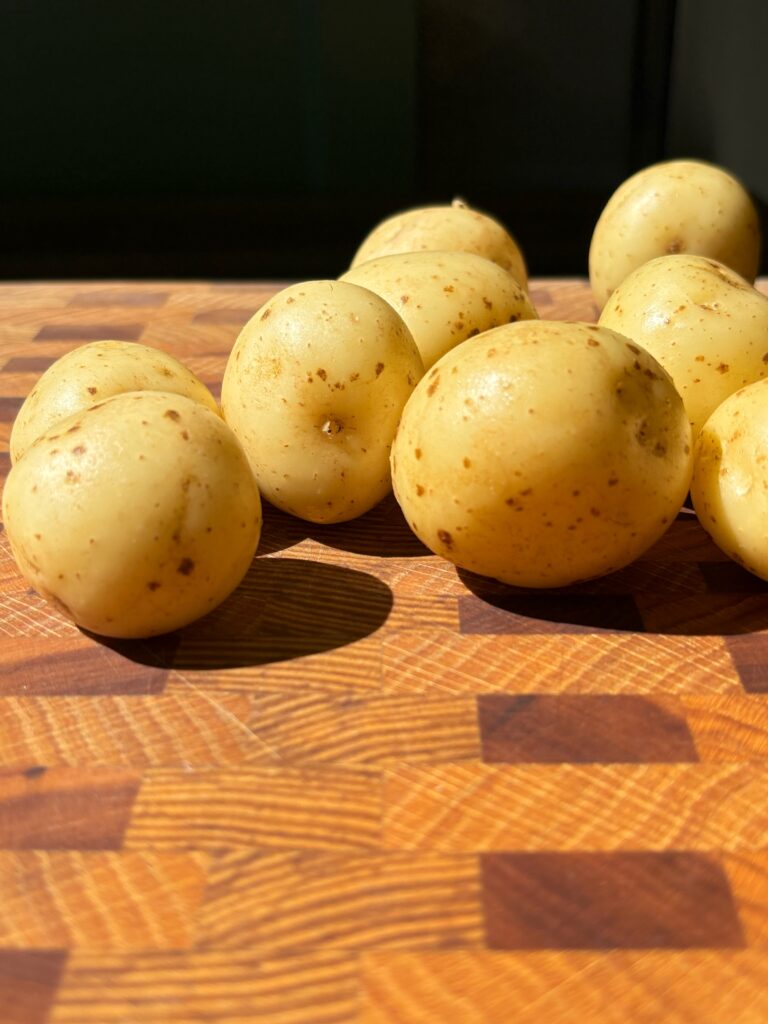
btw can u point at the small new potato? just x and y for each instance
(454, 228)
(444, 297)
(314, 388)
(135, 516)
(96, 371)
(543, 453)
(707, 327)
(679, 206)
(730, 477)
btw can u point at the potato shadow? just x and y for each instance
(279, 530)
(383, 532)
(708, 598)
(284, 608)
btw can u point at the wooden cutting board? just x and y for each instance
(371, 788)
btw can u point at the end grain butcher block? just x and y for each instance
(371, 788)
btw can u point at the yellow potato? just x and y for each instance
(314, 388)
(444, 297)
(542, 453)
(680, 206)
(134, 516)
(94, 372)
(730, 477)
(454, 228)
(707, 327)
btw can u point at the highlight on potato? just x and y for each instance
(314, 388)
(99, 370)
(678, 206)
(543, 453)
(707, 327)
(135, 516)
(444, 297)
(451, 228)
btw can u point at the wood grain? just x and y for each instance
(370, 788)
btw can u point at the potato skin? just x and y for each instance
(542, 453)
(454, 228)
(679, 206)
(96, 371)
(707, 327)
(314, 388)
(444, 297)
(730, 477)
(134, 516)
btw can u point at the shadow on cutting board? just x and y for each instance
(284, 608)
(708, 598)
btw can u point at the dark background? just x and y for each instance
(246, 138)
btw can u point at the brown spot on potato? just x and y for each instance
(514, 318)
(152, 585)
(466, 462)
(185, 567)
(321, 373)
(447, 287)
(593, 343)
(524, 493)
(612, 481)
(379, 369)
(267, 312)
(79, 449)
(353, 377)
(185, 435)
(419, 490)
(92, 391)
(487, 303)
(72, 477)
(433, 387)
(594, 512)
(675, 246)
(405, 299)
(445, 538)
(171, 414)
(633, 348)
(417, 453)
(722, 368)
(490, 353)
(74, 428)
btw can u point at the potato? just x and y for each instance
(134, 516)
(96, 371)
(542, 453)
(730, 477)
(707, 327)
(454, 228)
(679, 206)
(444, 297)
(314, 388)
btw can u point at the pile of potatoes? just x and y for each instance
(537, 452)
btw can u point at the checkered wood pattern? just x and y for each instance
(370, 788)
